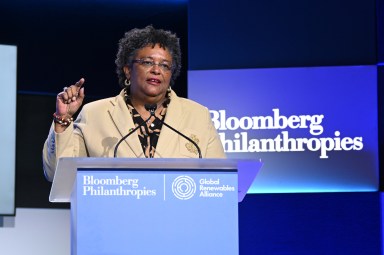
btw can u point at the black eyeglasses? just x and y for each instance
(165, 67)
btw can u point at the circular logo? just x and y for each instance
(184, 187)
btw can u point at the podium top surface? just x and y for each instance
(67, 168)
(155, 163)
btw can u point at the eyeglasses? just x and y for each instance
(150, 63)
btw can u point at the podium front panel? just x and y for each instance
(162, 211)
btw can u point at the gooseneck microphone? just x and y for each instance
(151, 109)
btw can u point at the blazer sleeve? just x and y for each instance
(69, 143)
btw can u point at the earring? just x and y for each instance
(169, 89)
(127, 82)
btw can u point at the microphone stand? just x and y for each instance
(152, 112)
(186, 137)
(152, 109)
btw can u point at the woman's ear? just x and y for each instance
(127, 72)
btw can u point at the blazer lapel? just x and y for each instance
(168, 140)
(123, 121)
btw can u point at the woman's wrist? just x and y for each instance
(62, 120)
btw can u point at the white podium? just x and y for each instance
(153, 206)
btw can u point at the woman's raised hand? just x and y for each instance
(70, 99)
(67, 103)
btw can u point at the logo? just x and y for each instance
(190, 146)
(184, 187)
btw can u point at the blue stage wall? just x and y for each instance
(311, 224)
(275, 34)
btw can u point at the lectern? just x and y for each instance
(153, 206)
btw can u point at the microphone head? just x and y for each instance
(151, 108)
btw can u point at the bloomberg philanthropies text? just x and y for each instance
(282, 142)
(116, 186)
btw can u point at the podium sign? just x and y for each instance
(153, 206)
(155, 212)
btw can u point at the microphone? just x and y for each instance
(152, 108)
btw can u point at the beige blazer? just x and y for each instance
(101, 124)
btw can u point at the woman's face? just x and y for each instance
(150, 74)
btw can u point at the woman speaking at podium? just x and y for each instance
(147, 119)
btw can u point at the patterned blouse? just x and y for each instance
(148, 134)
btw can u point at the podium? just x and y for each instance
(153, 206)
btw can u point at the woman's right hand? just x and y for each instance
(68, 102)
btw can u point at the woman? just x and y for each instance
(148, 62)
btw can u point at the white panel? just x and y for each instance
(8, 60)
(37, 231)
